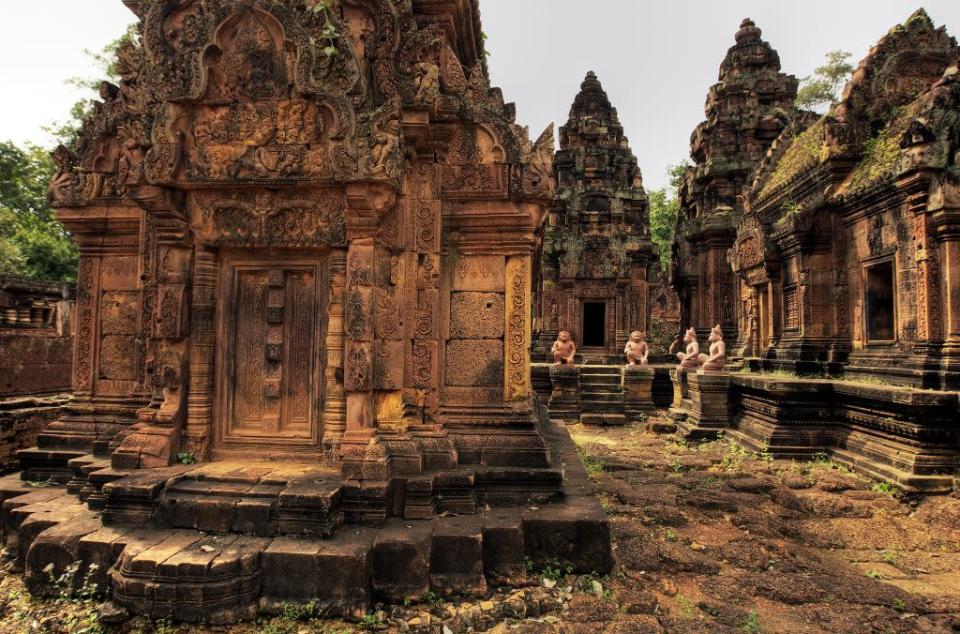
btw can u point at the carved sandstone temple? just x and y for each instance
(307, 235)
(847, 262)
(597, 253)
(746, 110)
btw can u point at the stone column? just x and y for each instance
(681, 395)
(197, 434)
(363, 454)
(335, 404)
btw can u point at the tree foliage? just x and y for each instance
(32, 243)
(821, 90)
(664, 207)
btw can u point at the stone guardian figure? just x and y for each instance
(637, 349)
(690, 360)
(717, 359)
(563, 349)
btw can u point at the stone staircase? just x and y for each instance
(601, 395)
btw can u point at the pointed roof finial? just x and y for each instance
(919, 18)
(748, 31)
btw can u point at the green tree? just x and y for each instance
(664, 207)
(32, 243)
(822, 89)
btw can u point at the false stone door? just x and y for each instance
(269, 358)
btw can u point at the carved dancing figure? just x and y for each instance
(427, 81)
(385, 142)
(690, 360)
(563, 349)
(717, 359)
(637, 349)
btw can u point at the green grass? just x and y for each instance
(883, 487)
(594, 466)
(752, 624)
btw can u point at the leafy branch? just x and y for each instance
(329, 32)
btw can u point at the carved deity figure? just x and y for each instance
(65, 181)
(563, 349)
(717, 359)
(637, 349)
(386, 140)
(690, 360)
(427, 81)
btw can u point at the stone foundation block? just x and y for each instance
(57, 546)
(576, 534)
(456, 560)
(334, 575)
(709, 410)
(638, 392)
(401, 560)
(503, 548)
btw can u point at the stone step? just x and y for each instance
(600, 369)
(600, 398)
(600, 379)
(603, 418)
(52, 465)
(608, 386)
(192, 575)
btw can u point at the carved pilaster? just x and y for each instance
(198, 430)
(88, 290)
(518, 329)
(335, 404)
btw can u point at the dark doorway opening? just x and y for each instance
(594, 324)
(880, 308)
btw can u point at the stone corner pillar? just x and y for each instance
(638, 391)
(709, 411)
(565, 392)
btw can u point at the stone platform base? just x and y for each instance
(298, 547)
(709, 406)
(598, 394)
(903, 436)
(21, 420)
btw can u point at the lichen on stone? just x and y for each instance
(881, 153)
(803, 153)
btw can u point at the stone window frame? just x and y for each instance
(865, 266)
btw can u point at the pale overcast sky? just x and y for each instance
(655, 59)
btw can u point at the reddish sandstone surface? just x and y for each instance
(708, 538)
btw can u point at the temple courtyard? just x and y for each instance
(708, 538)
(336, 345)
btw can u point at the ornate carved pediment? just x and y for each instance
(750, 249)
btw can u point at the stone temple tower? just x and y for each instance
(597, 250)
(746, 110)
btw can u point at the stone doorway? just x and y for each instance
(594, 333)
(269, 359)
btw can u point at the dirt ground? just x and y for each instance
(708, 538)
